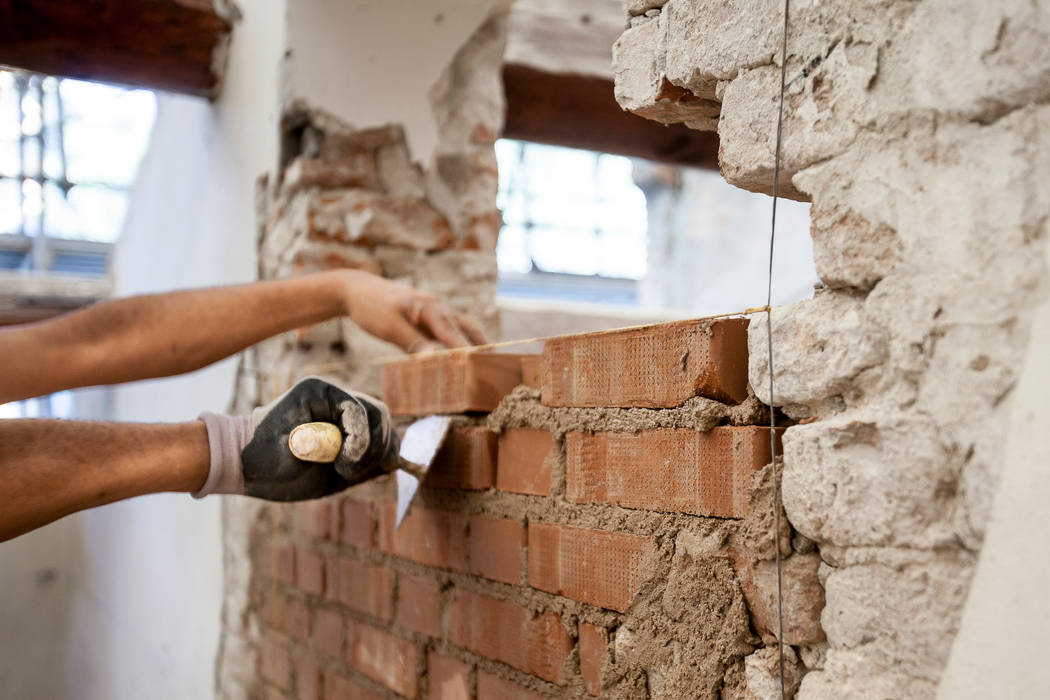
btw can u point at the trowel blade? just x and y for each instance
(419, 446)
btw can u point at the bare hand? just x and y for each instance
(413, 320)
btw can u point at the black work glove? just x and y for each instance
(250, 455)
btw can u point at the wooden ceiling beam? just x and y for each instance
(581, 112)
(174, 45)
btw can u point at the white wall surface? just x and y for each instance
(123, 602)
(373, 62)
(1000, 651)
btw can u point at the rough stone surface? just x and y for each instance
(762, 674)
(919, 132)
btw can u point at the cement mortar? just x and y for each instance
(522, 408)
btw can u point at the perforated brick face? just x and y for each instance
(677, 470)
(458, 382)
(602, 568)
(653, 367)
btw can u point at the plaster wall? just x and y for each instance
(918, 130)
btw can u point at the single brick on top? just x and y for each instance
(449, 382)
(667, 469)
(657, 366)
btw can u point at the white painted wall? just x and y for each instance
(123, 602)
(373, 62)
(1000, 651)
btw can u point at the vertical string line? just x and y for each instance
(769, 338)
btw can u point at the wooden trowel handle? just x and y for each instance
(316, 442)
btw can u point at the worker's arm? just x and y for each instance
(165, 334)
(51, 468)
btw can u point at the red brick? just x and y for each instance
(383, 657)
(328, 632)
(432, 537)
(276, 610)
(449, 678)
(676, 469)
(358, 523)
(276, 664)
(496, 546)
(279, 563)
(297, 620)
(492, 687)
(307, 679)
(599, 567)
(654, 367)
(466, 461)
(593, 644)
(532, 371)
(338, 688)
(309, 570)
(354, 169)
(316, 519)
(455, 382)
(503, 631)
(525, 457)
(419, 605)
(366, 218)
(363, 587)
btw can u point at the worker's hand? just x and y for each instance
(411, 319)
(250, 455)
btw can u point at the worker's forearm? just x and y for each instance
(51, 468)
(160, 335)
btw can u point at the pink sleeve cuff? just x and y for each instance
(227, 436)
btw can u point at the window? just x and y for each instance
(69, 150)
(580, 226)
(574, 224)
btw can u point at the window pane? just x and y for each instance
(100, 212)
(106, 131)
(10, 212)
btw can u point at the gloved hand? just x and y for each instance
(250, 454)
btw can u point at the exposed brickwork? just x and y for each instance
(432, 537)
(309, 570)
(328, 629)
(358, 523)
(419, 605)
(318, 519)
(307, 679)
(525, 456)
(363, 587)
(655, 367)
(668, 469)
(467, 460)
(538, 563)
(449, 382)
(449, 678)
(492, 687)
(276, 664)
(532, 371)
(593, 646)
(496, 547)
(337, 687)
(593, 566)
(383, 657)
(509, 633)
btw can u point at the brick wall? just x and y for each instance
(554, 550)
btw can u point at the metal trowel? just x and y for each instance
(321, 442)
